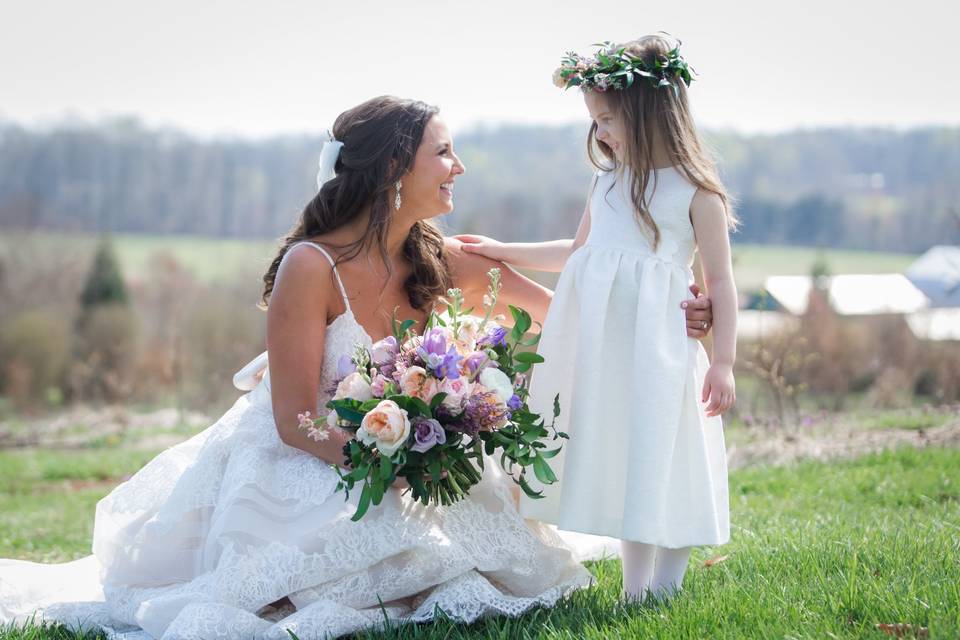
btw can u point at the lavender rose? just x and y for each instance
(426, 434)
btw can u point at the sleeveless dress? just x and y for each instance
(201, 540)
(643, 463)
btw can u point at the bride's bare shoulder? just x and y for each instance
(304, 276)
(468, 270)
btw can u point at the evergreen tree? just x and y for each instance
(104, 285)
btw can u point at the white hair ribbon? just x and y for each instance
(328, 159)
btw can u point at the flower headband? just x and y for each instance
(613, 68)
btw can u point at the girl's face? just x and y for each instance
(609, 124)
(427, 189)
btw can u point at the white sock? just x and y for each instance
(649, 568)
(669, 567)
(638, 564)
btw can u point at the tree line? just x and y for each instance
(844, 188)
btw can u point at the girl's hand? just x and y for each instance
(482, 245)
(719, 388)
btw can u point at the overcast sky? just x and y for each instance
(261, 68)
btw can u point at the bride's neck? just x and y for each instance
(356, 229)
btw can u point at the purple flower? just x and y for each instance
(514, 403)
(495, 337)
(434, 343)
(426, 434)
(442, 361)
(475, 361)
(345, 366)
(384, 353)
(484, 412)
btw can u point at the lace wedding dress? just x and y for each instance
(201, 540)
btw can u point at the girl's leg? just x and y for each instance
(669, 567)
(638, 563)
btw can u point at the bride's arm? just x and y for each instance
(296, 329)
(470, 270)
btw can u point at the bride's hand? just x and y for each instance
(699, 312)
(481, 245)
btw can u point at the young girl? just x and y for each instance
(645, 461)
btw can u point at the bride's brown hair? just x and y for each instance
(380, 139)
(649, 112)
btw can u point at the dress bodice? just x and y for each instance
(614, 225)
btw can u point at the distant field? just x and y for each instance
(754, 262)
(212, 259)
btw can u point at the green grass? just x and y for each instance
(212, 259)
(47, 498)
(818, 550)
(752, 263)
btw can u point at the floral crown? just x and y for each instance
(614, 68)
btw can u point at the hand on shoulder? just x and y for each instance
(468, 270)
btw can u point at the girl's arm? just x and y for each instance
(540, 256)
(296, 330)
(709, 220)
(470, 270)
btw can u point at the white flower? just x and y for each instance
(467, 331)
(498, 382)
(386, 427)
(354, 387)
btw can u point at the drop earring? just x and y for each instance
(396, 201)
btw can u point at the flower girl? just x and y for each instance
(645, 462)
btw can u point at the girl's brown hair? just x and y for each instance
(651, 113)
(380, 140)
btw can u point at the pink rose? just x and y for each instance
(457, 393)
(414, 382)
(386, 427)
(379, 385)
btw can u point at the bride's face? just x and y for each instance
(609, 126)
(427, 189)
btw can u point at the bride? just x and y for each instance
(239, 531)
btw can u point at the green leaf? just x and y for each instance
(527, 489)
(386, 468)
(437, 399)
(521, 318)
(528, 357)
(369, 405)
(364, 503)
(415, 480)
(550, 453)
(543, 471)
(350, 415)
(421, 407)
(377, 489)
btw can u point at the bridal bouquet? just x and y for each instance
(427, 407)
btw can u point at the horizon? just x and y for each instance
(71, 122)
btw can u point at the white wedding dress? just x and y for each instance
(201, 540)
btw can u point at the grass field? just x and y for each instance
(213, 259)
(818, 550)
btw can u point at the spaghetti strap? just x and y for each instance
(333, 263)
